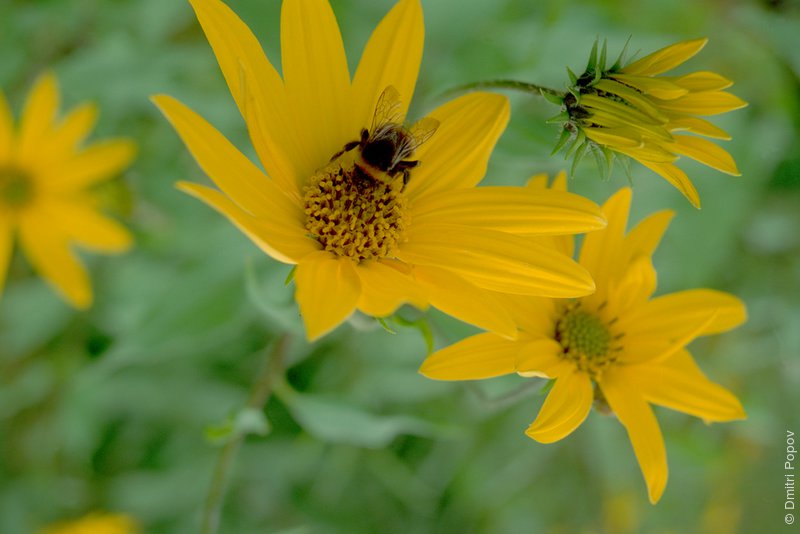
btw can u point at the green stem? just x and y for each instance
(509, 84)
(259, 394)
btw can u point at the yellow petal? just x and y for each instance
(6, 128)
(231, 170)
(651, 152)
(496, 261)
(463, 300)
(705, 103)
(458, 153)
(522, 211)
(665, 59)
(81, 222)
(614, 138)
(317, 80)
(75, 127)
(677, 178)
(565, 408)
(99, 162)
(643, 430)
(257, 89)
(698, 126)
(534, 315)
(648, 340)
(658, 87)
(392, 57)
(38, 116)
(541, 357)
(327, 292)
(6, 248)
(706, 153)
(286, 243)
(644, 238)
(632, 96)
(679, 384)
(46, 248)
(384, 289)
(703, 81)
(481, 356)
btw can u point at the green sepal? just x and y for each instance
(618, 63)
(609, 157)
(580, 138)
(578, 157)
(558, 100)
(626, 166)
(290, 276)
(603, 55)
(572, 77)
(385, 325)
(562, 140)
(422, 326)
(558, 119)
(592, 56)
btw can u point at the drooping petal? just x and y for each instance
(327, 292)
(481, 356)
(458, 153)
(510, 209)
(82, 223)
(658, 87)
(47, 250)
(565, 408)
(455, 296)
(392, 57)
(384, 289)
(705, 103)
(496, 261)
(698, 126)
(6, 128)
(317, 80)
(542, 357)
(643, 430)
(679, 384)
(231, 170)
(38, 116)
(665, 59)
(254, 83)
(286, 243)
(99, 162)
(703, 81)
(677, 178)
(705, 152)
(6, 247)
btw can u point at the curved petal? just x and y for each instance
(665, 59)
(38, 116)
(252, 79)
(679, 384)
(705, 103)
(496, 261)
(231, 170)
(384, 289)
(392, 57)
(705, 152)
(677, 178)
(698, 126)
(565, 408)
(458, 153)
(285, 243)
(99, 162)
(83, 224)
(642, 345)
(644, 238)
(643, 430)
(327, 292)
(73, 130)
(463, 300)
(480, 356)
(518, 210)
(317, 80)
(534, 315)
(632, 288)
(6, 128)
(47, 250)
(703, 81)
(6, 247)
(542, 357)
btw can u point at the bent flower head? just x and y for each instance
(46, 201)
(631, 110)
(618, 348)
(374, 210)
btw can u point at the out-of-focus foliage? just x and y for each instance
(114, 409)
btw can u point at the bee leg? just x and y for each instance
(347, 148)
(405, 167)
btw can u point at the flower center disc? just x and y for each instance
(352, 213)
(585, 339)
(16, 187)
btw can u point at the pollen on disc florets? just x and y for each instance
(16, 187)
(351, 214)
(585, 339)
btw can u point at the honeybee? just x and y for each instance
(385, 149)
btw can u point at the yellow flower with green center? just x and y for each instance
(618, 347)
(633, 111)
(46, 197)
(97, 523)
(373, 211)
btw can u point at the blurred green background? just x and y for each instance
(123, 408)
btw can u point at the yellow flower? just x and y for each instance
(618, 348)
(96, 523)
(633, 111)
(360, 237)
(46, 175)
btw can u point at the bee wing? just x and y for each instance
(423, 130)
(388, 110)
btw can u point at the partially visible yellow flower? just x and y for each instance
(618, 348)
(633, 111)
(46, 176)
(360, 236)
(96, 523)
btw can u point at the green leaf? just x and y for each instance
(246, 421)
